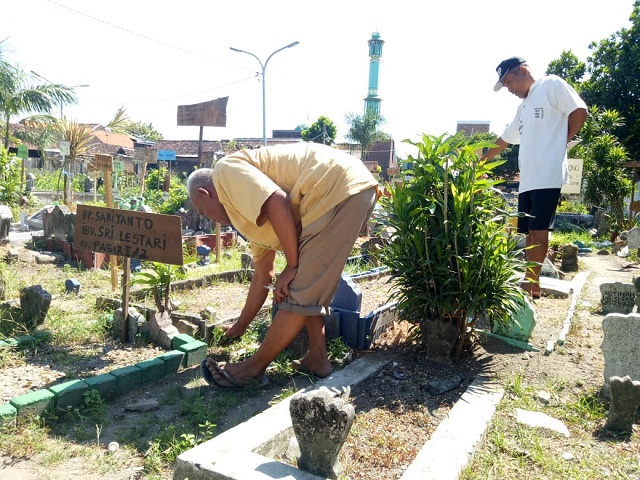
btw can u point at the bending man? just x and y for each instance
(306, 200)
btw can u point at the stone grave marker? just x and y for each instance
(617, 297)
(321, 421)
(633, 238)
(625, 399)
(620, 347)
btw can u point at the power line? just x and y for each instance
(178, 96)
(146, 37)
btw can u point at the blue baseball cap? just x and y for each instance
(504, 68)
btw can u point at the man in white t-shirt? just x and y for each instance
(306, 200)
(550, 115)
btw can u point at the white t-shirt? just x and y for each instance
(540, 127)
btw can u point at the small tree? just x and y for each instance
(607, 182)
(364, 130)
(144, 131)
(323, 131)
(452, 258)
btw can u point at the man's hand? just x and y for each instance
(282, 283)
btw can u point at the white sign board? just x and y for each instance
(65, 147)
(575, 176)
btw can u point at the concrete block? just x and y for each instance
(194, 353)
(106, 384)
(128, 378)
(172, 361)
(181, 339)
(72, 285)
(34, 403)
(152, 370)
(8, 415)
(69, 394)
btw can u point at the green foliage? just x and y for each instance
(144, 131)
(155, 196)
(509, 156)
(607, 183)
(452, 257)
(614, 80)
(572, 206)
(337, 350)
(10, 185)
(323, 130)
(165, 449)
(20, 94)
(364, 130)
(158, 280)
(568, 67)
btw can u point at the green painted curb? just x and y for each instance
(181, 339)
(105, 383)
(34, 403)
(194, 353)
(152, 370)
(11, 342)
(172, 361)
(69, 394)
(8, 414)
(128, 378)
(25, 340)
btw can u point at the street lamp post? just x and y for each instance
(264, 67)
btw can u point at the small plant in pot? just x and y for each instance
(452, 257)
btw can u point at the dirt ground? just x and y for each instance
(397, 410)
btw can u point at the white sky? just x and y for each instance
(438, 61)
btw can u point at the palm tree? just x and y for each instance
(364, 130)
(79, 137)
(19, 94)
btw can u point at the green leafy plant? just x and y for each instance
(158, 280)
(453, 259)
(11, 186)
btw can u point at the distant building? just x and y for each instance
(469, 127)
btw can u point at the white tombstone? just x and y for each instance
(633, 238)
(620, 347)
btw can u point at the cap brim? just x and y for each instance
(497, 86)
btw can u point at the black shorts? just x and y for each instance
(541, 205)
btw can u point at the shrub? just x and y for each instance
(453, 258)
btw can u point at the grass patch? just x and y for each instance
(511, 450)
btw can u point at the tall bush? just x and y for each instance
(453, 258)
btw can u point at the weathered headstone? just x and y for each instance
(58, 222)
(6, 217)
(617, 297)
(620, 347)
(162, 330)
(633, 238)
(136, 322)
(246, 261)
(625, 399)
(321, 421)
(34, 302)
(30, 183)
(569, 258)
